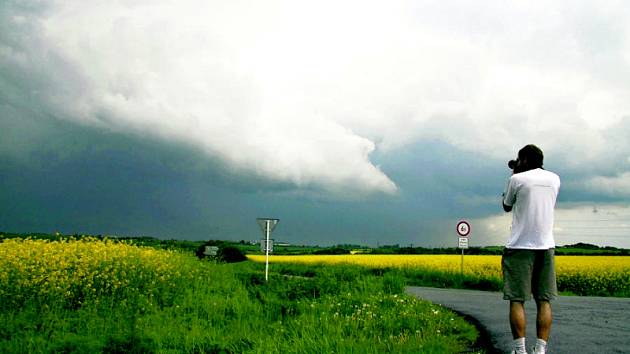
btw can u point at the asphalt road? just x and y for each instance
(580, 325)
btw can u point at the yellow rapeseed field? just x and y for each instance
(600, 275)
(486, 265)
(74, 271)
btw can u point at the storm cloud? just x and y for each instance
(323, 102)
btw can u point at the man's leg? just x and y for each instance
(518, 321)
(516, 266)
(543, 319)
(545, 289)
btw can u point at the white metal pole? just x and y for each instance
(462, 264)
(267, 249)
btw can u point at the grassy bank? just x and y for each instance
(100, 296)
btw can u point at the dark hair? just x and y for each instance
(533, 155)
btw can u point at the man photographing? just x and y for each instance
(528, 259)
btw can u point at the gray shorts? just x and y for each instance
(527, 272)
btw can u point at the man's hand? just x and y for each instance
(506, 208)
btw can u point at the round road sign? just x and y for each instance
(463, 228)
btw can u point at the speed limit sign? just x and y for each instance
(463, 228)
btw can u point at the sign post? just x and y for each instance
(463, 230)
(267, 225)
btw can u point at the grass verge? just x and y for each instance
(178, 304)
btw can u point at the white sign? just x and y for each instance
(266, 245)
(463, 228)
(211, 250)
(463, 242)
(267, 225)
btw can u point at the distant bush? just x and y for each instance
(231, 254)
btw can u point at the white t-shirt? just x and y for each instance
(532, 194)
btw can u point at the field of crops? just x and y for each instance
(74, 272)
(580, 275)
(90, 295)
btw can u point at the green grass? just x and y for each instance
(610, 285)
(229, 308)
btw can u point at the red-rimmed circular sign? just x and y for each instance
(463, 228)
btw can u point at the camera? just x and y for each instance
(516, 166)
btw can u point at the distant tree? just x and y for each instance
(585, 246)
(332, 250)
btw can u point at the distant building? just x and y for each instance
(275, 243)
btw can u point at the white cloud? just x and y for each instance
(303, 92)
(617, 186)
